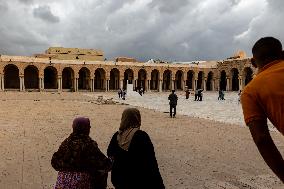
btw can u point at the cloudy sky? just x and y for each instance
(173, 30)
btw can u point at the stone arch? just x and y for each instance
(179, 80)
(50, 78)
(154, 83)
(31, 77)
(200, 79)
(142, 79)
(114, 79)
(100, 77)
(235, 79)
(84, 79)
(223, 80)
(209, 82)
(128, 76)
(248, 75)
(167, 84)
(68, 78)
(11, 77)
(190, 79)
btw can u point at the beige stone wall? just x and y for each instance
(213, 68)
(76, 51)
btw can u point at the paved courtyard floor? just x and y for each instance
(192, 152)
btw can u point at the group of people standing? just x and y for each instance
(130, 158)
(121, 94)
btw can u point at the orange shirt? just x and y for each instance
(263, 97)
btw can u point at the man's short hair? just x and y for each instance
(173, 91)
(267, 48)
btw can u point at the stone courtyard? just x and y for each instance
(192, 153)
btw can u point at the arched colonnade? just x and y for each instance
(108, 78)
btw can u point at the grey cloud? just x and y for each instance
(3, 6)
(26, 1)
(169, 6)
(44, 13)
(171, 30)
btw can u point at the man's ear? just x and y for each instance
(253, 63)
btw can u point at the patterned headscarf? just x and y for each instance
(81, 126)
(130, 123)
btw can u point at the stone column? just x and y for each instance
(135, 84)
(1, 87)
(195, 84)
(23, 83)
(173, 84)
(106, 85)
(121, 84)
(160, 85)
(76, 84)
(240, 83)
(183, 85)
(204, 84)
(228, 84)
(59, 81)
(39, 83)
(42, 83)
(213, 84)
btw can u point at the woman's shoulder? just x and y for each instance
(141, 135)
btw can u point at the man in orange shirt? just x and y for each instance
(263, 98)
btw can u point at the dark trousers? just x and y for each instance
(200, 97)
(196, 97)
(171, 110)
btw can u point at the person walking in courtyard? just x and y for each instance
(173, 103)
(239, 96)
(263, 98)
(134, 162)
(79, 161)
(186, 92)
(119, 92)
(220, 95)
(196, 95)
(123, 94)
(199, 94)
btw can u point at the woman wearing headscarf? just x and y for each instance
(79, 161)
(134, 162)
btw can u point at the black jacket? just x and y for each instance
(136, 168)
(173, 99)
